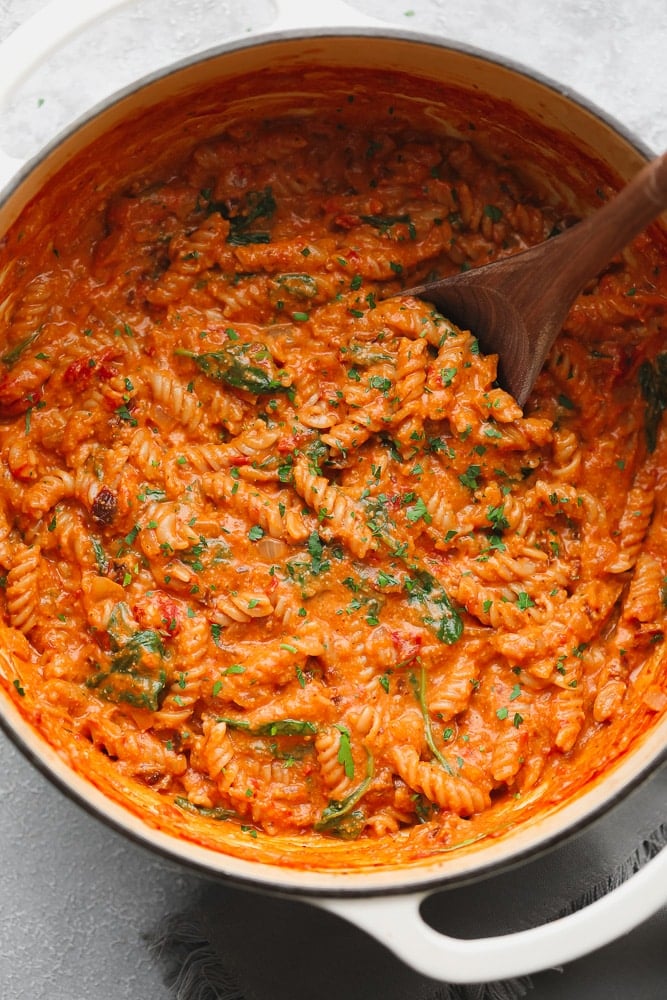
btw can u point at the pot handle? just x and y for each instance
(396, 922)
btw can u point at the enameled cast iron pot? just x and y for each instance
(385, 902)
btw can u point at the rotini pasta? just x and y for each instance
(279, 553)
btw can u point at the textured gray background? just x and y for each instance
(77, 901)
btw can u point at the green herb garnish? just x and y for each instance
(417, 512)
(418, 685)
(440, 614)
(653, 384)
(209, 812)
(470, 476)
(340, 819)
(246, 366)
(136, 675)
(344, 756)
(279, 727)
(12, 356)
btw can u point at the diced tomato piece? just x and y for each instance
(287, 444)
(160, 612)
(106, 370)
(80, 371)
(408, 646)
(345, 220)
(19, 391)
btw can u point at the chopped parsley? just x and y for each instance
(418, 512)
(344, 755)
(470, 478)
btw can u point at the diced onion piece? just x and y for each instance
(655, 698)
(272, 549)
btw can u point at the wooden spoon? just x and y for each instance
(516, 306)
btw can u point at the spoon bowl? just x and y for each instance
(516, 306)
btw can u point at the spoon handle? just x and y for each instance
(517, 305)
(589, 246)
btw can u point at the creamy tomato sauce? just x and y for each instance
(283, 567)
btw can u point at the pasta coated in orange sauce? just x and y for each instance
(280, 557)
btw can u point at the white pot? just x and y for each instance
(386, 902)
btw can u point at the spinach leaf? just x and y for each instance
(300, 286)
(340, 819)
(418, 685)
(100, 556)
(12, 356)
(248, 366)
(256, 205)
(130, 687)
(653, 384)
(210, 812)
(383, 222)
(136, 675)
(366, 354)
(339, 822)
(440, 614)
(121, 626)
(141, 649)
(280, 727)
(243, 238)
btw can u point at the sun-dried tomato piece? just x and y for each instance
(104, 506)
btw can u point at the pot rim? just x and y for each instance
(396, 882)
(257, 874)
(265, 38)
